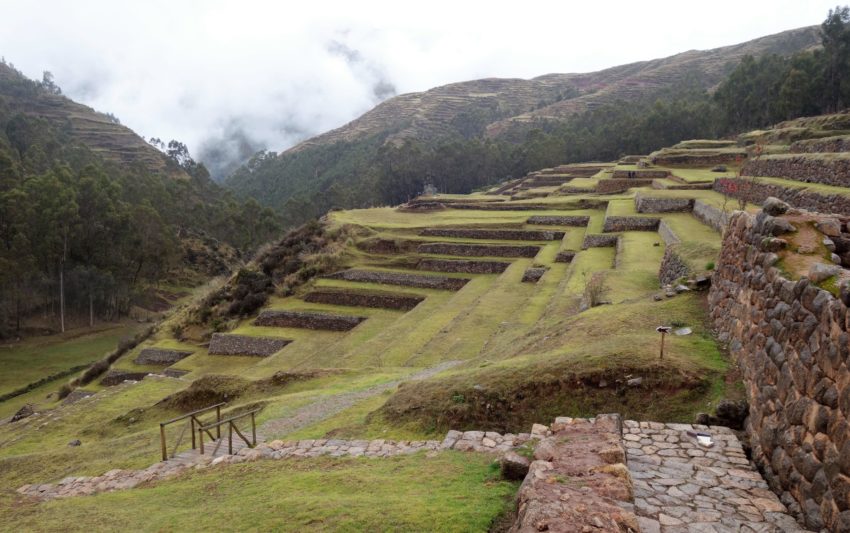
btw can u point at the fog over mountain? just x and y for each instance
(228, 79)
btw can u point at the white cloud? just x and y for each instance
(196, 71)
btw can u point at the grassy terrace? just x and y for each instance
(802, 186)
(529, 349)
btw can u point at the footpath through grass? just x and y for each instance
(451, 491)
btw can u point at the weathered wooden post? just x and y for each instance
(162, 442)
(663, 330)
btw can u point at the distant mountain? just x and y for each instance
(503, 107)
(100, 132)
(493, 108)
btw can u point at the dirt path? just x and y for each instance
(327, 407)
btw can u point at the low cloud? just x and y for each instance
(228, 78)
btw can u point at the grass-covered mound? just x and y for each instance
(578, 366)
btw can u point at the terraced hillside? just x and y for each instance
(97, 131)
(488, 311)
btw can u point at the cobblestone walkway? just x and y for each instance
(680, 486)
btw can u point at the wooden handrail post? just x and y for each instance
(192, 424)
(201, 436)
(253, 429)
(218, 419)
(230, 438)
(162, 442)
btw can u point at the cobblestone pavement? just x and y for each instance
(681, 486)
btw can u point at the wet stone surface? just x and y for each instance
(682, 486)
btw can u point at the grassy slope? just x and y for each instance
(521, 348)
(449, 492)
(35, 358)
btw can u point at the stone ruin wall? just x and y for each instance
(533, 275)
(801, 168)
(402, 278)
(307, 320)
(477, 250)
(565, 256)
(756, 192)
(672, 267)
(463, 266)
(830, 144)
(616, 185)
(579, 221)
(630, 224)
(704, 159)
(640, 174)
(650, 204)
(504, 234)
(229, 344)
(711, 216)
(600, 240)
(667, 234)
(791, 342)
(364, 299)
(160, 356)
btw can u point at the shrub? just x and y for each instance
(64, 391)
(595, 289)
(709, 265)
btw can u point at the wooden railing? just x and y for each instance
(192, 421)
(231, 427)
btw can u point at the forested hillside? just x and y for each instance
(465, 135)
(90, 213)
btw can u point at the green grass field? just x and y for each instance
(32, 359)
(449, 492)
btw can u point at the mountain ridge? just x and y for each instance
(572, 92)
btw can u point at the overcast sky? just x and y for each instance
(268, 74)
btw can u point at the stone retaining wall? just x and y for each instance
(497, 234)
(116, 377)
(828, 144)
(791, 342)
(615, 185)
(575, 220)
(801, 168)
(704, 159)
(230, 344)
(160, 356)
(308, 320)
(565, 256)
(404, 302)
(599, 240)
(711, 216)
(757, 191)
(533, 275)
(640, 174)
(667, 234)
(402, 279)
(656, 204)
(463, 266)
(478, 250)
(630, 224)
(672, 267)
